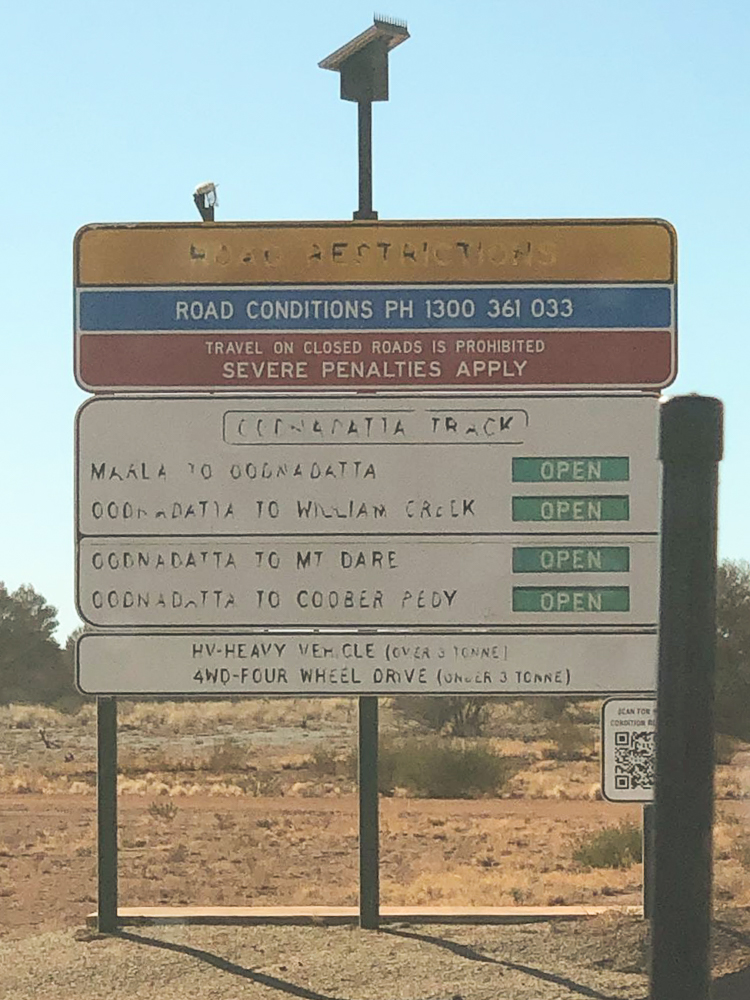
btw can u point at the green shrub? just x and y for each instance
(725, 747)
(614, 847)
(326, 762)
(163, 810)
(572, 741)
(732, 705)
(228, 757)
(438, 769)
(557, 708)
(455, 716)
(740, 851)
(585, 712)
(548, 708)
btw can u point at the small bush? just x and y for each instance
(585, 712)
(725, 747)
(436, 769)
(572, 741)
(547, 708)
(260, 785)
(740, 851)
(163, 810)
(224, 821)
(455, 716)
(228, 757)
(178, 854)
(326, 763)
(614, 847)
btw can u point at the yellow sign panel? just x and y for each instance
(240, 253)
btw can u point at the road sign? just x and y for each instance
(416, 582)
(342, 664)
(628, 749)
(536, 512)
(390, 306)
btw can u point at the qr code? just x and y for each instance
(635, 759)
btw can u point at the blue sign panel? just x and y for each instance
(395, 308)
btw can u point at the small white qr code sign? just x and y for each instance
(628, 749)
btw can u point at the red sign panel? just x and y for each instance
(318, 361)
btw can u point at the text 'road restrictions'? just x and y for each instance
(335, 664)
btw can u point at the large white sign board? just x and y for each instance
(531, 513)
(628, 749)
(426, 465)
(204, 511)
(346, 664)
(399, 581)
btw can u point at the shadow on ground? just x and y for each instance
(732, 986)
(292, 989)
(273, 982)
(475, 956)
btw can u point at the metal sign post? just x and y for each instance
(363, 65)
(691, 447)
(369, 839)
(648, 842)
(106, 732)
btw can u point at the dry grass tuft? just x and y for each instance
(475, 885)
(196, 717)
(42, 717)
(26, 780)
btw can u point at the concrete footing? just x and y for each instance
(135, 916)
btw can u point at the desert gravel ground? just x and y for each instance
(210, 816)
(602, 958)
(318, 963)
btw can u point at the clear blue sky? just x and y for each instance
(582, 109)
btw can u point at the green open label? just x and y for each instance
(581, 469)
(576, 508)
(572, 559)
(576, 600)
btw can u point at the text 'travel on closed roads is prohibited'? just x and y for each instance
(446, 544)
(409, 306)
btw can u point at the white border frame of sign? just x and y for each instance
(349, 634)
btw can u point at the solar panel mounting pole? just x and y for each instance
(363, 65)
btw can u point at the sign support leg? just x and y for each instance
(106, 733)
(369, 874)
(364, 147)
(691, 436)
(649, 830)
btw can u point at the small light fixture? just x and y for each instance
(206, 200)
